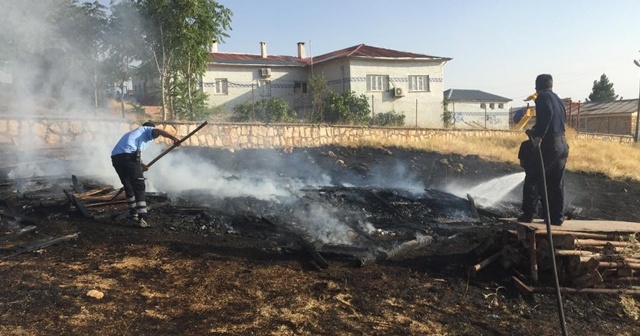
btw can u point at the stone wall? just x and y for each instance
(55, 132)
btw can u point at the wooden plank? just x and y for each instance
(41, 244)
(78, 204)
(533, 258)
(93, 192)
(17, 233)
(583, 225)
(566, 290)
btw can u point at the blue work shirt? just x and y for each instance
(135, 140)
(550, 115)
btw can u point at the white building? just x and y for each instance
(392, 80)
(478, 109)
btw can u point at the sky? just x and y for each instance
(497, 46)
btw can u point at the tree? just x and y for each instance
(319, 89)
(33, 51)
(84, 27)
(124, 45)
(177, 34)
(602, 91)
(447, 116)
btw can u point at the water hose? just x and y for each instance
(552, 251)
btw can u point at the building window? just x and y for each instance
(492, 106)
(418, 83)
(264, 87)
(221, 86)
(501, 106)
(299, 87)
(377, 83)
(483, 105)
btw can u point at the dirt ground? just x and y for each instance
(194, 273)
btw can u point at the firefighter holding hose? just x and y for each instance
(549, 137)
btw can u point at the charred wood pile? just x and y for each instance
(22, 202)
(591, 256)
(361, 224)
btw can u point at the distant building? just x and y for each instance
(398, 81)
(478, 109)
(615, 117)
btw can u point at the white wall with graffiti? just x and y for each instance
(489, 115)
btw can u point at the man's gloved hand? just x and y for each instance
(144, 166)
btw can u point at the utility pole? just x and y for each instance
(635, 136)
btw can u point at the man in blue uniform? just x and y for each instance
(548, 135)
(125, 158)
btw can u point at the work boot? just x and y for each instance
(143, 223)
(525, 218)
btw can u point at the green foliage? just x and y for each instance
(177, 34)
(185, 108)
(346, 109)
(447, 116)
(602, 90)
(388, 119)
(319, 89)
(274, 110)
(244, 112)
(265, 110)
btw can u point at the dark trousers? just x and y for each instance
(131, 175)
(530, 195)
(555, 152)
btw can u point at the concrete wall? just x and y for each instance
(469, 115)
(421, 109)
(54, 132)
(243, 84)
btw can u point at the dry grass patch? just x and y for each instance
(615, 160)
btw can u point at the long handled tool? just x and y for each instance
(165, 153)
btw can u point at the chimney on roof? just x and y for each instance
(214, 46)
(301, 51)
(263, 49)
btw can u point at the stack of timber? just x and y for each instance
(588, 253)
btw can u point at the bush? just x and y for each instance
(243, 112)
(388, 119)
(265, 110)
(274, 110)
(346, 109)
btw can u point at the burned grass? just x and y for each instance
(238, 266)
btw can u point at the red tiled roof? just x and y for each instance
(232, 58)
(361, 50)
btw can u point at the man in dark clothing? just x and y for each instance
(125, 158)
(548, 134)
(528, 155)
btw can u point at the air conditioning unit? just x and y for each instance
(398, 92)
(265, 72)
